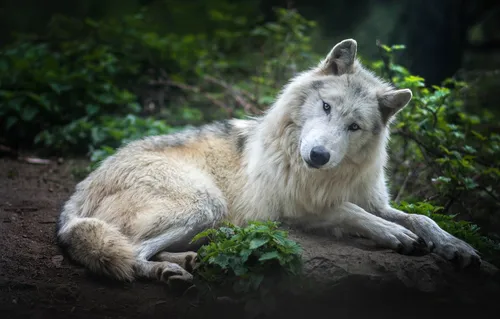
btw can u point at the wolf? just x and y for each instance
(315, 158)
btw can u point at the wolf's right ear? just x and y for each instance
(391, 102)
(341, 58)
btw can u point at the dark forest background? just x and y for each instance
(441, 37)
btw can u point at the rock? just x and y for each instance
(57, 260)
(355, 275)
(352, 278)
(328, 261)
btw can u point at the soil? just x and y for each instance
(36, 281)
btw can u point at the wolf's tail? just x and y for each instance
(98, 246)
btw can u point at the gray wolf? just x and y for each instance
(315, 158)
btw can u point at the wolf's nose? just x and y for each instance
(319, 156)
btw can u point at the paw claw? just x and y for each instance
(420, 248)
(190, 262)
(444, 244)
(400, 248)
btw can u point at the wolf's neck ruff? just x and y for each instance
(272, 161)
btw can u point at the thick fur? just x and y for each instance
(136, 214)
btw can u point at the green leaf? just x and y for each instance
(221, 260)
(92, 109)
(29, 113)
(10, 121)
(244, 254)
(269, 255)
(258, 242)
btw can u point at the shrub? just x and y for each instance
(42, 90)
(247, 262)
(244, 256)
(57, 88)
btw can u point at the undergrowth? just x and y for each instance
(252, 263)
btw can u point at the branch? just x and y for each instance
(416, 140)
(403, 186)
(237, 94)
(194, 89)
(491, 194)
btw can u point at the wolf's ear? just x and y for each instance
(341, 58)
(391, 102)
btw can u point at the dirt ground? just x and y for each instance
(37, 282)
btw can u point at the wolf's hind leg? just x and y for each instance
(164, 271)
(186, 259)
(167, 253)
(177, 235)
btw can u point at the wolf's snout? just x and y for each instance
(319, 156)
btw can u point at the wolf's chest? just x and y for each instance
(315, 196)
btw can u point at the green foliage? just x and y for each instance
(244, 256)
(55, 91)
(41, 90)
(84, 80)
(252, 263)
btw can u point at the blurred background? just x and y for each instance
(441, 37)
(82, 77)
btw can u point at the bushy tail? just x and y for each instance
(98, 246)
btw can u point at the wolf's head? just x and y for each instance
(342, 109)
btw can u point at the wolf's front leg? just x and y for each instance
(351, 219)
(437, 239)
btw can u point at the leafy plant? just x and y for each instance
(55, 89)
(41, 89)
(248, 262)
(245, 255)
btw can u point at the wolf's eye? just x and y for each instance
(353, 127)
(326, 107)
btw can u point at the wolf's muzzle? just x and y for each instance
(319, 156)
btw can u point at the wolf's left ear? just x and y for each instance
(391, 102)
(341, 58)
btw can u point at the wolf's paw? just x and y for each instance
(459, 253)
(402, 240)
(186, 260)
(444, 244)
(174, 276)
(190, 261)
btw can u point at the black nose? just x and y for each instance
(319, 156)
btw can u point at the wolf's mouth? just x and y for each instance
(311, 165)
